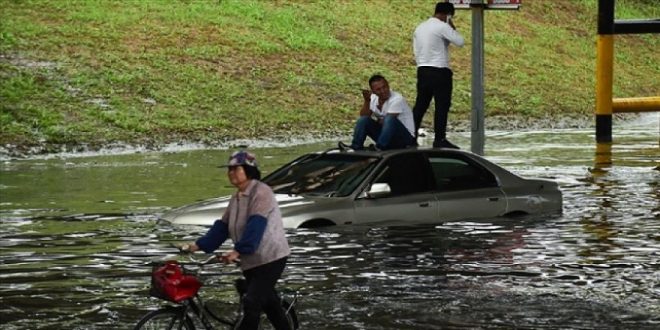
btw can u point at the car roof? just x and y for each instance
(384, 154)
(390, 152)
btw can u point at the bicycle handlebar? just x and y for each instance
(184, 249)
(214, 259)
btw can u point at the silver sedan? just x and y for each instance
(393, 187)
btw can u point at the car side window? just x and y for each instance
(407, 174)
(455, 173)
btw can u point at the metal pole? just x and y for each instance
(604, 68)
(604, 80)
(477, 130)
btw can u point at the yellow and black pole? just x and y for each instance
(604, 80)
(605, 103)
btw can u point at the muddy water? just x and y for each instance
(77, 233)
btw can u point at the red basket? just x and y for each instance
(170, 282)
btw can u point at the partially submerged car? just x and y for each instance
(393, 187)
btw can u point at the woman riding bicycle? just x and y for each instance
(253, 222)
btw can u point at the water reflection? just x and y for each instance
(77, 234)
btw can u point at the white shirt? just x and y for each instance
(431, 40)
(396, 104)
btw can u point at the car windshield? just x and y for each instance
(324, 174)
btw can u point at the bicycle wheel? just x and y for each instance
(167, 318)
(291, 318)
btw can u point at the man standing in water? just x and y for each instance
(434, 77)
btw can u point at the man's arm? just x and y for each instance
(365, 110)
(453, 36)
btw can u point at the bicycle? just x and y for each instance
(172, 282)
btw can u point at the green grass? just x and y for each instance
(156, 71)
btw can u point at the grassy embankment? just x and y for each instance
(96, 72)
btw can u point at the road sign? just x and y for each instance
(487, 4)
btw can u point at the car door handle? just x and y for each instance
(424, 204)
(493, 199)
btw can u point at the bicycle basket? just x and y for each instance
(169, 282)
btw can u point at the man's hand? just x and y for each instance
(366, 95)
(451, 23)
(230, 257)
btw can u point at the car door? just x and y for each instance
(465, 189)
(412, 193)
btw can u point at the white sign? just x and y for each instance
(488, 4)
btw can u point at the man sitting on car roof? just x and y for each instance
(385, 117)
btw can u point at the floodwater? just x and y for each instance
(77, 234)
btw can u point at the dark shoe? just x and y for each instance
(444, 143)
(343, 146)
(372, 147)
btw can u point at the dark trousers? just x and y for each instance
(433, 83)
(261, 296)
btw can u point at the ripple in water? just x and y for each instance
(70, 259)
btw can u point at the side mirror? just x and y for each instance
(379, 190)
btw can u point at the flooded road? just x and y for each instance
(77, 234)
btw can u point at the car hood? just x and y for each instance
(206, 212)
